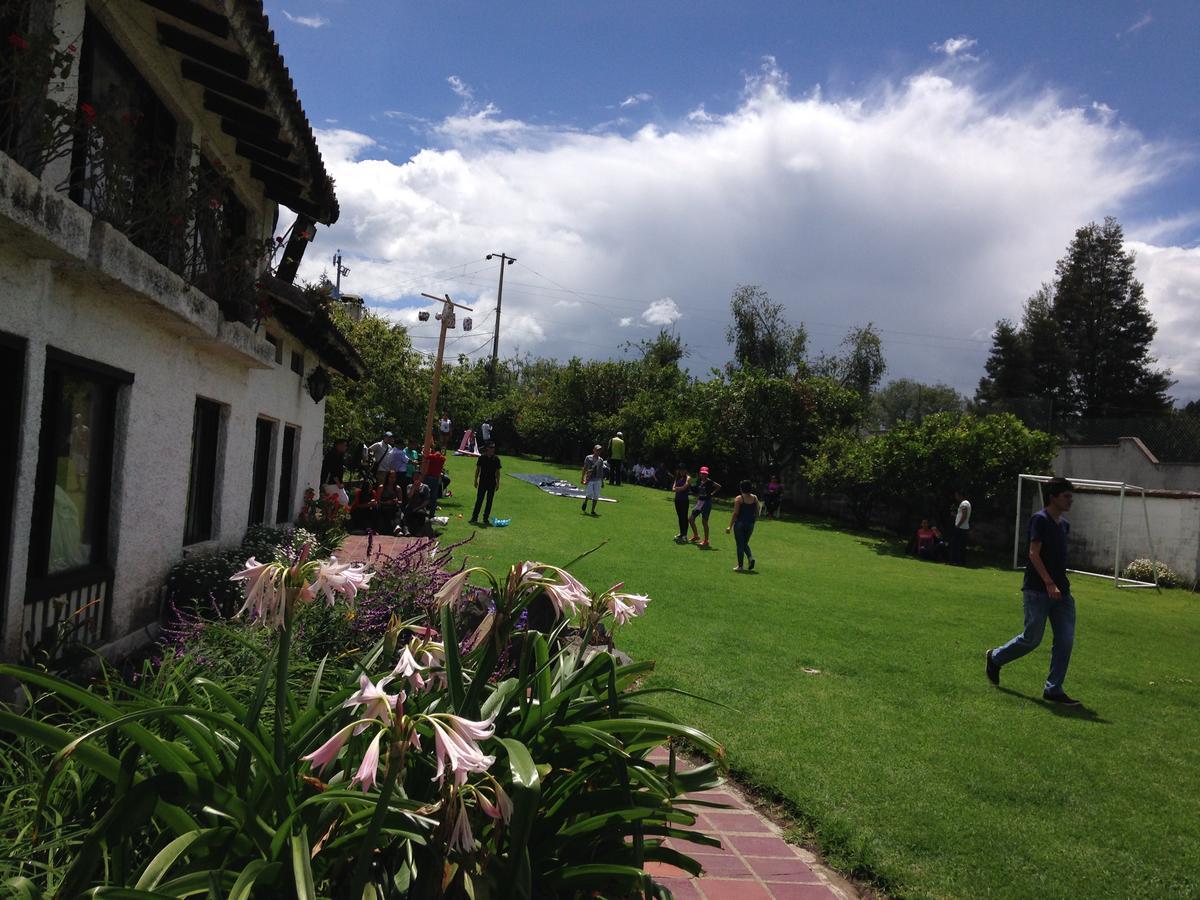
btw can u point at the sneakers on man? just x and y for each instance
(993, 670)
(1060, 697)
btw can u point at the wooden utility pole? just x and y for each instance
(504, 261)
(447, 319)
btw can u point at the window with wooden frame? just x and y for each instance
(69, 533)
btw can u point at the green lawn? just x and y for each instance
(900, 758)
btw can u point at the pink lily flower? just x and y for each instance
(338, 578)
(379, 704)
(368, 771)
(450, 591)
(408, 668)
(501, 809)
(461, 837)
(321, 758)
(264, 597)
(454, 744)
(627, 606)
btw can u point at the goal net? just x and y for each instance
(1030, 490)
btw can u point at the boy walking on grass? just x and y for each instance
(1047, 595)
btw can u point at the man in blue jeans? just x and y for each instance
(1047, 595)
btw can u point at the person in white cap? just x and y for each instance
(592, 477)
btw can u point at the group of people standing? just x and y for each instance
(694, 501)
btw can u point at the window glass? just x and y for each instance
(80, 433)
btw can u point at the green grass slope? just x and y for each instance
(902, 760)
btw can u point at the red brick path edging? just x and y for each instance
(754, 862)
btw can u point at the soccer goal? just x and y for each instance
(1120, 488)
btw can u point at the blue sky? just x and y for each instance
(918, 165)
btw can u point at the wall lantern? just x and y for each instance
(318, 384)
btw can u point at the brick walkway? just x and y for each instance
(753, 862)
(354, 547)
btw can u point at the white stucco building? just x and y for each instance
(158, 368)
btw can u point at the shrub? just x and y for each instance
(412, 773)
(1143, 570)
(202, 582)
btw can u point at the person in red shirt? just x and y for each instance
(929, 541)
(435, 465)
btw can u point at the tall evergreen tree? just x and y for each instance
(1102, 316)
(1009, 376)
(1084, 342)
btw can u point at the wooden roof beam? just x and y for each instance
(226, 85)
(193, 14)
(204, 51)
(244, 132)
(285, 167)
(260, 122)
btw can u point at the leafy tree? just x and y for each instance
(762, 337)
(905, 400)
(847, 463)
(394, 393)
(914, 468)
(860, 364)
(1084, 342)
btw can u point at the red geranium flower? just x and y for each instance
(18, 41)
(89, 112)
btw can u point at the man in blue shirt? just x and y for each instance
(1047, 595)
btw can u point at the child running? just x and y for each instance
(745, 513)
(704, 489)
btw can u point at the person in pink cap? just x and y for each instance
(704, 489)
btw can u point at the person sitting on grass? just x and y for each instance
(362, 507)
(773, 496)
(386, 504)
(417, 508)
(745, 514)
(704, 490)
(929, 543)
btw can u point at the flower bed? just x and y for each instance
(452, 749)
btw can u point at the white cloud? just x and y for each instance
(461, 88)
(635, 99)
(625, 321)
(699, 114)
(929, 207)
(1171, 276)
(307, 21)
(1141, 23)
(663, 311)
(956, 47)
